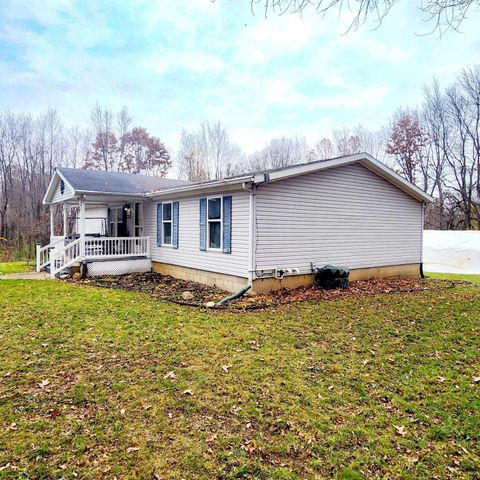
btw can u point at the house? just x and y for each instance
(265, 229)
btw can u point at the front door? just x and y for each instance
(117, 222)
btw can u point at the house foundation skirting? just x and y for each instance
(229, 283)
(265, 285)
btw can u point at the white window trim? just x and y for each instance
(167, 221)
(220, 249)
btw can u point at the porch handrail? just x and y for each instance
(43, 253)
(65, 257)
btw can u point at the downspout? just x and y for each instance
(251, 241)
(424, 206)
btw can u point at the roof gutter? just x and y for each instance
(118, 194)
(204, 186)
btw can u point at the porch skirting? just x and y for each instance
(229, 283)
(118, 267)
(232, 283)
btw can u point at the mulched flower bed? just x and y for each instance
(167, 288)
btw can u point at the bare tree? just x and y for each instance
(443, 14)
(105, 139)
(280, 152)
(208, 153)
(191, 158)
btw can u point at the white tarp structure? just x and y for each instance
(451, 251)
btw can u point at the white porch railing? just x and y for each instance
(43, 253)
(61, 258)
(116, 247)
(63, 253)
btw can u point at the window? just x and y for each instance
(214, 228)
(167, 223)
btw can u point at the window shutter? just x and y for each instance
(227, 224)
(159, 224)
(203, 224)
(175, 224)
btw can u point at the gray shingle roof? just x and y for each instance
(115, 182)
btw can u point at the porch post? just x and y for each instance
(81, 203)
(65, 219)
(52, 222)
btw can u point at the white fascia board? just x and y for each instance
(53, 184)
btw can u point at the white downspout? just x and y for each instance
(251, 241)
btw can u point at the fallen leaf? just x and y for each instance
(8, 374)
(476, 379)
(212, 438)
(225, 368)
(170, 375)
(54, 412)
(122, 411)
(400, 430)
(132, 449)
(44, 383)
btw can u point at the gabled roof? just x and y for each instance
(95, 181)
(127, 184)
(283, 173)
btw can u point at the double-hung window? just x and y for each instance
(214, 229)
(167, 223)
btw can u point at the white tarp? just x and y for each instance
(451, 251)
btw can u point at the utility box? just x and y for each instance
(330, 276)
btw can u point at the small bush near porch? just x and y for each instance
(98, 383)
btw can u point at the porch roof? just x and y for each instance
(99, 183)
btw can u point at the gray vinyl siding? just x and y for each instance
(57, 194)
(188, 253)
(345, 216)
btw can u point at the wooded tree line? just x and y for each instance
(436, 145)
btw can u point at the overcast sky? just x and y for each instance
(178, 63)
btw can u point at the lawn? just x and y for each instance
(98, 383)
(455, 276)
(15, 267)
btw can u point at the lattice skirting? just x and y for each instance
(119, 267)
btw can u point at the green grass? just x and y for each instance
(15, 267)
(378, 387)
(454, 276)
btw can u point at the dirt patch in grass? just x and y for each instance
(167, 288)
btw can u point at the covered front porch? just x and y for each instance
(102, 234)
